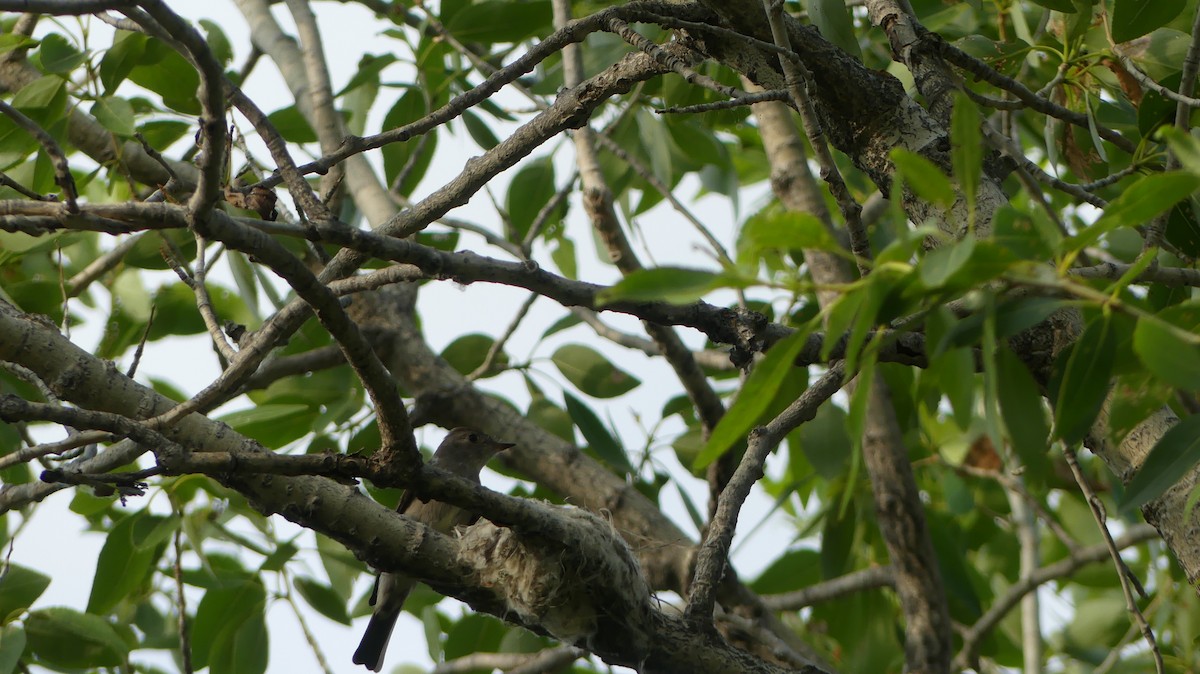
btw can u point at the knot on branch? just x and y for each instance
(747, 328)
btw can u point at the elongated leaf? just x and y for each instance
(1134, 18)
(591, 372)
(956, 372)
(323, 598)
(220, 616)
(925, 179)
(599, 440)
(833, 19)
(966, 151)
(1065, 6)
(13, 638)
(67, 638)
(528, 193)
(1171, 458)
(121, 568)
(1167, 354)
(1022, 410)
(940, 264)
(787, 230)
(500, 20)
(667, 284)
(755, 396)
(1144, 199)
(19, 588)
(274, 425)
(1085, 381)
(823, 441)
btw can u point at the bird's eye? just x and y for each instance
(474, 437)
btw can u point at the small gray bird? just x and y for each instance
(463, 452)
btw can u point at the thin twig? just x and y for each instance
(711, 559)
(497, 346)
(1124, 573)
(185, 641)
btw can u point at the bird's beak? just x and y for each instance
(504, 446)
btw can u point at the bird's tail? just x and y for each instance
(375, 641)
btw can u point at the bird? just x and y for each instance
(464, 452)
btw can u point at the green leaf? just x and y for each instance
(1167, 354)
(480, 132)
(952, 555)
(44, 93)
(19, 588)
(323, 598)
(1018, 233)
(410, 159)
(58, 55)
(1022, 410)
(833, 19)
(127, 51)
(945, 261)
(1135, 18)
(165, 72)
(838, 536)
(591, 372)
(163, 132)
(1138, 204)
(246, 650)
(784, 230)
(474, 633)
(824, 442)
(923, 177)
(665, 284)
(466, 353)
(1135, 397)
(217, 41)
(274, 425)
(792, 570)
(122, 567)
(656, 143)
(955, 370)
(116, 114)
(551, 417)
(1171, 458)
(563, 255)
(292, 125)
(753, 398)
(12, 647)
(528, 193)
(599, 440)
(66, 638)
(966, 153)
(1084, 382)
(1064, 6)
(222, 614)
(500, 21)
(367, 71)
